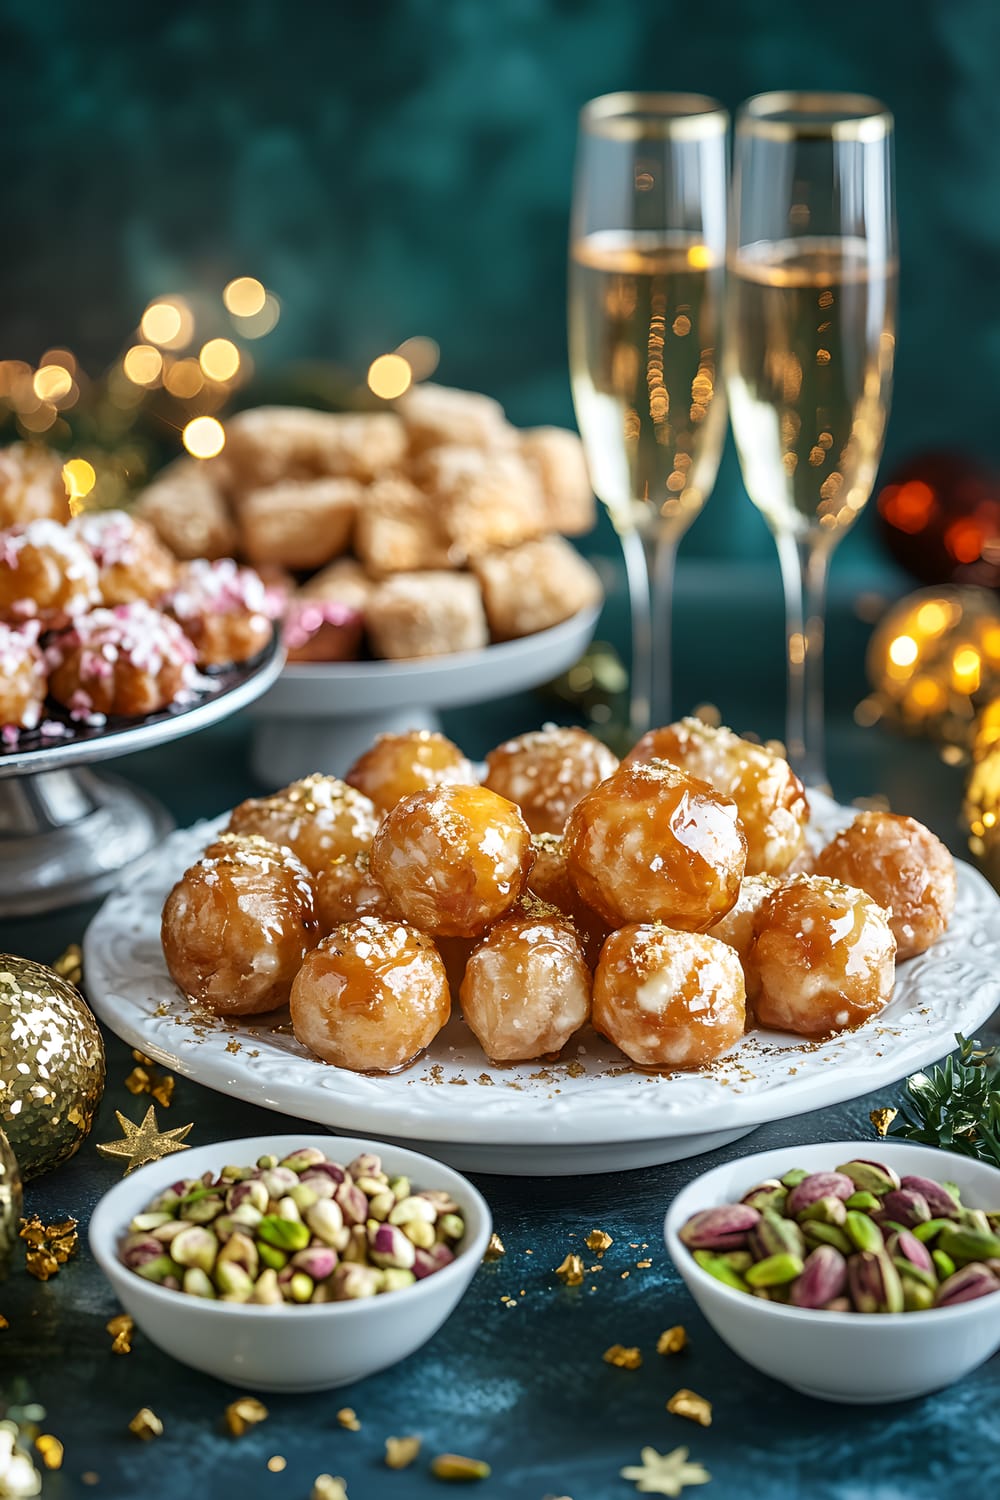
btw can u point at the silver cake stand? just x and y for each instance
(67, 834)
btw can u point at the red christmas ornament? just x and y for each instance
(940, 517)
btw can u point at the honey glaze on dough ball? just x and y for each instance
(237, 926)
(770, 797)
(319, 818)
(346, 888)
(551, 882)
(454, 858)
(668, 999)
(371, 997)
(654, 844)
(527, 986)
(547, 771)
(902, 866)
(738, 927)
(398, 764)
(825, 957)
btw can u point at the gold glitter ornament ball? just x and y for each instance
(51, 1065)
(11, 1203)
(981, 813)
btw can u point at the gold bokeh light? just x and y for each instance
(184, 379)
(204, 437)
(220, 359)
(168, 322)
(79, 477)
(143, 364)
(389, 376)
(244, 297)
(51, 382)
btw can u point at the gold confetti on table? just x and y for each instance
(50, 1450)
(685, 1403)
(4, 1322)
(276, 1463)
(643, 1265)
(328, 1487)
(146, 1424)
(69, 964)
(882, 1119)
(244, 1413)
(598, 1240)
(49, 1246)
(665, 1473)
(90, 1476)
(145, 1142)
(146, 1078)
(121, 1329)
(672, 1340)
(348, 1417)
(455, 1466)
(570, 1273)
(625, 1358)
(401, 1451)
(495, 1249)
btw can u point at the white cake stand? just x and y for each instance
(320, 716)
(66, 834)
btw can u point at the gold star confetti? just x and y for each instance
(328, 1487)
(882, 1119)
(672, 1340)
(401, 1451)
(454, 1466)
(121, 1329)
(50, 1450)
(570, 1273)
(665, 1473)
(598, 1240)
(276, 1463)
(49, 1246)
(625, 1359)
(244, 1413)
(146, 1142)
(348, 1417)
(69, 965)
(494, 1249)
(685, 1403)
(146, 1424)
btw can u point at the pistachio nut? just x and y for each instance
(389, 1246)
(871, 1176)
(943, 1264)
(910, 1248)
(161, 1270)
(827, 1210)
(303, 1196)
(775, 1270)
(236, 1174)
(300, 1287)
(283, 1234)
(929, 1230)
(426, 1262)
(966, 1245)
(394, 1278)
(252, 1191)
(144, 1223)
(942, 1203)
(197, 1246)
(769, 1194)
(352, 1202)
(419, 1232)
(399, 1187)
(909, 1272)
(168, 1232)
(318, 1183)
(716, 1266)
(139, 1249)
(864, 1202)
(365, 1165)
(325, 1219)
(264, 1163)
(287, 1208)
(973, 1280)
(917, 1296)
(817, 1185)
(862, 1232)
(906, 1206)
(233, 1283)
(356, 1249)
(241, 1250)
(198, 1283)
(202, 1210)
(271, 1257)
(380, 1205)
(299, 1161)
(839, 1304)
(720, 1228)
(246, 1215)
(826, 1234)
(974, 1218)
(266, 1289)
(408, 1209)
(351, 1281)
(823, 1277)
(371, 1185)
(874, 1283)
(455, 1466)
(332, 1170)
(442, 1200)
(318, 1261)
(279, 1181)
(773, 1234)
(794, 1177)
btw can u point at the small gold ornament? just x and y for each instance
(11, 1203)
(51, 1065)
(144, 1143)
(495, 1249)
(400, 1452)
(981, 812)
(933, 661)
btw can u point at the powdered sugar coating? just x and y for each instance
(128, 661)
(46, 573)
(22, 679)
(527, 987)
(225, 609)
(132, 562)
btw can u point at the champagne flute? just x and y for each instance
(812, 276)
(647, 267)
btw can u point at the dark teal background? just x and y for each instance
(403, 167)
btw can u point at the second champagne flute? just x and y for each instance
(647, 257)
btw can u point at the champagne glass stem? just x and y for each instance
(663, 560)
(804, 570)
(637, 577)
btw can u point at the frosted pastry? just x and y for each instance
(322, 630)
(269, 444)
(128, 661)
(185, 509)
(738, 927)
(527, 986)
(398, 764)
(132, 562)
(341, 582)
(556, 455)
(552, 883)
(547, 771)
(223, 609)
(23, 678)
(320, 818)
(426, 614)
(32, 487)
(484, 499)
(46, 574)
(346, 888)
(437, 415)
(399, 530)
(299, 525)
(535, 586)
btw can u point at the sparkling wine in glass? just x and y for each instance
(647, 266)
(812, 273)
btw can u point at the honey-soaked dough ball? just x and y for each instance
(371, 997)
(668, 999)
(738, 927)
(547, 771)
(825, 957)
(398, 764)
(31, 485)
(132, 561)
(551, 882)
(654, 844)
(23, 680)
(237, 926)
(453, 858)
(320, 818)
(346, 888)
(903, 867)
(226, 611)
(770, 797)
(527, 986)
(46, 574)
(127, 661)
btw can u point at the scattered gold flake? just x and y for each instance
(401, 1451)
(454, 1466)
(50, 1450)
(4, 1322)
(575, 1069)
(233, 1045)
(624, 1358)
(570, 1273)
(598, 1240)
(348, 1417)
(882, 1119)
(276, 1463)
(643, 1265)
(244, 1413)
(685, 1403)
(146, 1078)
(90, 1476)
(665, 1473)
(495, 1248)
(485, 1080)
(69, 964)
(138, 1081)
(49, 1246)
(625, 1275)
(327, 1487)
(672, 1340)
(145, 1142)
(146, 1424)
(121, 1329)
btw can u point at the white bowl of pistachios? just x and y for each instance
(291, 1263)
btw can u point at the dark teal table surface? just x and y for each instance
(524, 1387)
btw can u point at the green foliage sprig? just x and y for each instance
(957, 1105)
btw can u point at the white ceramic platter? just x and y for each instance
(591, 1111)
